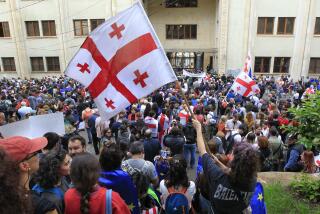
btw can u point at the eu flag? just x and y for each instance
(121, 182)
(257, 203)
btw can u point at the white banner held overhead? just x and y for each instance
(199, 75)
(35, 126)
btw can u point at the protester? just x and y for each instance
(51, 182)
(177, 182)
(76, 145)
(229, 193)
(137, 163)
(113, 177)
(151, 146)
(190, 145)
(175, 141)
(294, 153)
(86, 196)
(22, 153)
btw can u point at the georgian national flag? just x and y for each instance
(245, 86)
(248, 65)
(121, 61)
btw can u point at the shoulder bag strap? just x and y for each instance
(109, 201)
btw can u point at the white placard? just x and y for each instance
(35, 126)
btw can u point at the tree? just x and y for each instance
(307, 118)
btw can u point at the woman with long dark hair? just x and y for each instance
(87, 196)
(50, 178)
(231, 188)
(177, 180)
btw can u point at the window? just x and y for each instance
(37, 64)
(317, 27)
(182, 59)
(49, 28)
(53, 63)
(281, 65)
(4, 29)
(181, 31)
(262, 64)
(32, 28)
(181, 3)
(286, 25)
(80, 27)
(265, 25)
(314, 67)
(95, 23)
(8, 64)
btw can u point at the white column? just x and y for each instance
(300, 34)
(21, 61)
(223, 35)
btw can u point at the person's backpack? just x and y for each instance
(267, 164)
(228, 145)
(3, 106)
(177, 202)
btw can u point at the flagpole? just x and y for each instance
(193, 116)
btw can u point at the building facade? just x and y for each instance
(38, 38)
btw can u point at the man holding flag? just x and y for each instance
(120, 62)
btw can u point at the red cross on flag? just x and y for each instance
(121, 61)
(244, 85)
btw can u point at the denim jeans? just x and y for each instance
(190, 150)
(89, 135)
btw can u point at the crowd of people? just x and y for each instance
(142, 156)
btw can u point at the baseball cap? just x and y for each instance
(18, 148)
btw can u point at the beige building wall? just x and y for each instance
(204, 16)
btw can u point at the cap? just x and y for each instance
(18, 148)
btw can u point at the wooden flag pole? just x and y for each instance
(225, 169)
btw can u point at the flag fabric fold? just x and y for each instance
(121, 61)
(245, 86)
(248, 65)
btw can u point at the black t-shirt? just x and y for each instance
(223, 197)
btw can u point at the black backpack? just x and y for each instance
(228, 145)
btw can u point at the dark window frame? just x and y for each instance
(314, 65)
(264, 64)
(98, 22)
(35, 29)
(182, 31)
(52, 65)
(51, 28)
(82, 33)
(4, 30)
(180, 3)
(7, 64)
(278, 68)
(265, 25)
(317, 26)
(285, 28)
(37, 64)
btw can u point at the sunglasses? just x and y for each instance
(31, 156)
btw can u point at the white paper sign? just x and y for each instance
(35, 126)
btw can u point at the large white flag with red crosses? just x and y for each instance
(121, 61)
(245, 86)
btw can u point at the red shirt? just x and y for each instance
(97, 202)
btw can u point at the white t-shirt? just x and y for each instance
(189, 193)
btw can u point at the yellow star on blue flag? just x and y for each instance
(257, 201)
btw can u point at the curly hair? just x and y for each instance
(48, 174)
(85, 170)
(12, 199)
(244, 166)
(110, 157)
(177, 174)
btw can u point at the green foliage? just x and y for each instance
(308, 118)
(307, 187)
(279, 201)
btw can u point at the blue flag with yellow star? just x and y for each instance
(121, 182)
(257, 203)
